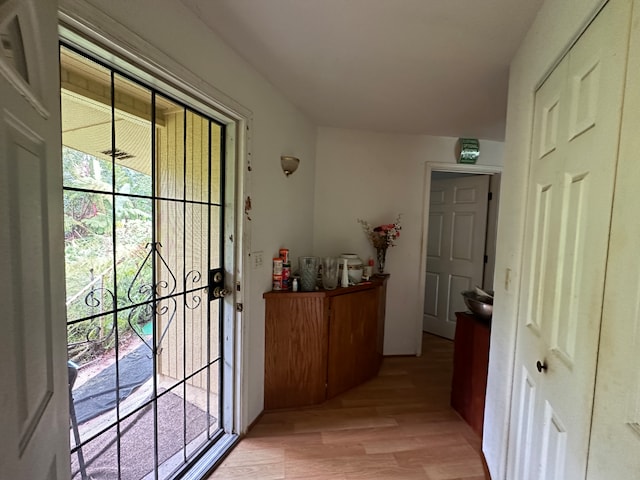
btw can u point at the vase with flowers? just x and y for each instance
(382, 237)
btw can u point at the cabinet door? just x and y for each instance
(462, 361)
(382, 310)
(353, 333)
(295, 351)
(470, 365)
(479, 369)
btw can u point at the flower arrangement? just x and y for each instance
(382, 237)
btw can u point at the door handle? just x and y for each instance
(541, 366)
(220, 292)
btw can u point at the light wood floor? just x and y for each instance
(397, 426)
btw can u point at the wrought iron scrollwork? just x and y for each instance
(149, 290)
(156, 300)
(195, 277)
(97, 332)
(93, 299)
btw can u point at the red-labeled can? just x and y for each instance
(277, 282)
(284, 255)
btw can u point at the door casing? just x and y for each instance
(430, 167)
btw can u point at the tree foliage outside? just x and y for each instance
(107, 233)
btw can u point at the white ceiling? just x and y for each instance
(437, 67)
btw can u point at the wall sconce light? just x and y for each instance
(289, 164)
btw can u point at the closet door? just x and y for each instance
(615, 441)
(571, 183)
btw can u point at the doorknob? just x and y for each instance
(220, 292)
(541, 366)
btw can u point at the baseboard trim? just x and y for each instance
(253, 424)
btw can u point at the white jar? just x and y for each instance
(354, 267)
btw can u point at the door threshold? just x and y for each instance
(210, 459)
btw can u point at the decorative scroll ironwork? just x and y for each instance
(99, 332)
(152, 302)
(195, 277)
(93, 301)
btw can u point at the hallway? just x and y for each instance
(397, 426)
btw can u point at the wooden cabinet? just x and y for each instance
(319, 344)
(470, 367)
(353, 334)
(296, 338)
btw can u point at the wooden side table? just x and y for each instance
(470, 368)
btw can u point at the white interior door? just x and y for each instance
(615, 436)
(34, 418)
(455, 248)
(573, 164)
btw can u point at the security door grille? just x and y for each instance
(143, 196)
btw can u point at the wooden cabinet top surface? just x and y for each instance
(375, 282)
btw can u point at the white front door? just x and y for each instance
(34, 419)
(455, 248)
(615, 435)
(573, 166)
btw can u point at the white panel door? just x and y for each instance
(34, 418)
(573, 166)
(455, 248)
(615, 436)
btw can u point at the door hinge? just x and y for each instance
(490, 195)
(239, 307)
(486, 259)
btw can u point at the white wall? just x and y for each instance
(374, 177)
(282, 208)
(557, 24)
